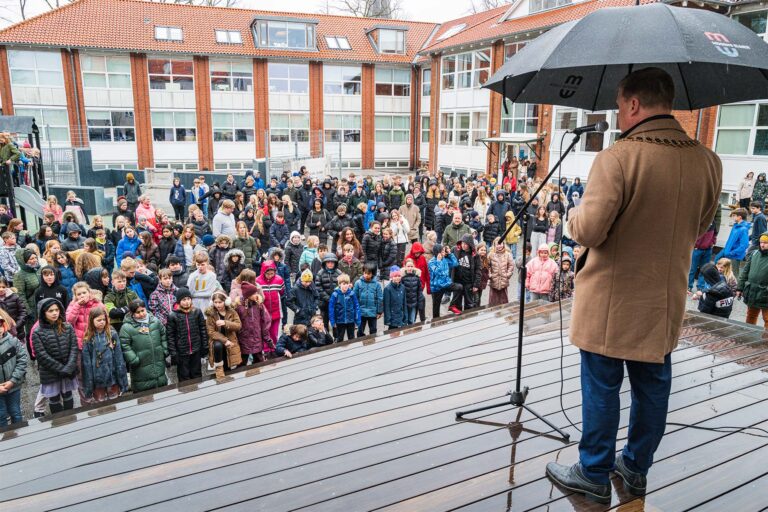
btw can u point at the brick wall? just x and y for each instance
(73, 86)
(415, 119)
(203, 112)
(261, 105)
(368, 134)
(6, 94)
(316, 110)
(494, 112)
(434, 114)
(542, 148)
(141, 114)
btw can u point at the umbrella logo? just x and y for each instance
(572, 83)
(723, 45)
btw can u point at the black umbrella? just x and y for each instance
(712, 59)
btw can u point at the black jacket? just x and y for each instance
(325, 280)
(317, 222)
(303, 301)
(371, 246)
(387, 258)
(467, 272)
(56, 353)
(229, 190)
(717, 300)
(337, 224)
(491, 231)
(166, 247)
(16, 309)
(293, 255)
(318, 338)
(286, 342)
(413, 294)
(187, 333)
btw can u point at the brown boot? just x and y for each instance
(219, 367)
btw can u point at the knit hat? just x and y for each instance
(306, 276)
(26, 254)
(249, 290)
(182, 293)
(764, 237)
(467, 239)
(437, 249)
(394, 271)
(208, 240)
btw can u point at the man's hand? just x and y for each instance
(220, 323)
(288, 354)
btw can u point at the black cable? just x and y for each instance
(726, 429)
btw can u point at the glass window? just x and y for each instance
(392, 128)
(170, 126)
(462, 129)
(342, 128)
(481, 67)
(426, 82)
(511, 49)
(342, 80)
(446, 128)
(53, 123)
(543, 5)
(393, 82)
(755, 21)
(171, 75)
(232, 127)
(289, 127)
(281, 34)
(479, 127)
(391, 41)
(742, 129)
(288, 78)
(466, 70)
(337, 43)
(110, 126)
(106, 72)
(236, 76)
(32, 68)
(168, 33)
(229, 37)
(425, 129)
(592, 142)
(521, 118)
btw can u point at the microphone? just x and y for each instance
(599, 127)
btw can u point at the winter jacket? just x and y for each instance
(181, 253)
(16, 309)
(27, 281)
(491, 231)
(316, 338)
(412, 214)
(371, 246)
(67, 278)
(325, 279)
(753, 280)
(421, 263)
(738, 242)
(453, 233)
(317, 222)
(303, 301)
(499, 210)
(149, 254)
(308, 255)
(229, 332)
(254, 333)
(540, 275)
(502, 268)
(440, 272)
(77, 317)
(187, 333)
(354, 269)
(387, 257)
(250, 250)
(343, 308)
(202, 287)
(103, 364)
(413, 289)
(396, 198)
(394, 305)
(145, 348)
(201, 228)
(116, 303)
(56, 353)
(218, 258)
(286, 342)
(126, 246)
(161, 302)
(293, 254)
(8, 264)
(274, 290)
(229, 275)
(370, 297)
(178, 195)
(467, 271)
(132, 191)
(759, 226)
(761, 189)
(336, 225)
(13, 360)
(278, 234)
(718, 299)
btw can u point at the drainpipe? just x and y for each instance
(77, 100)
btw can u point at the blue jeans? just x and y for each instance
(601, 379)
(10, 405)
(699, 258)
(410, 315)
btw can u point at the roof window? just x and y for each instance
(229, 37)
(168, 33)
(452, 31)
(337, 43)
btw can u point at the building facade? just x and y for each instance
(166, 86)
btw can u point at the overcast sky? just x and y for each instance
(416, 10)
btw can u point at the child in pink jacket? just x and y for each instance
(541, 273)
(273, 288)
(79, 308)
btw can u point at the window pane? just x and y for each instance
(762, 115)
(300, 135)
(299, 86)
(332, 88)
(400, 122)
(159, 66)
(300, 121)
(331, 42)
(332, 73)
(449, 81)
(732, 142)
(186, 134)
(299, 70)
(400, 136)
(351, 74)
(333, 135)
(446, 121)
(242, 84)
(278, 120)
(220, 84)
(120, 81)
(279, 135)
(464, 62)
(59, 134)
(162, 119)
(99, 135)
(425, 120)
(352, 122)
(383, 122)
(223, 135)
(351, 135)
(465, 80)
(21, 77)
(122, 118)
(383, 74)
(182, 67)
(277, 70)
(352, 88)
(243, 135)
(736, 115)
(184, 119)
(48, 60)
(159, 81)
(566, 120)
(118, 64)
(92, 63)
(221, 120)
(297, 35)
(402, 76)
(56, 117)
(332, 122)
(240, 66)
(221, 36)
(243, 120)
(50, 77)
(384, 89)
(184, 83)
(344, 43)
(162, 134)
(383, 136)
(278, 35)
(278, 85)
(124, 134)
(401, 90)
(96, 118)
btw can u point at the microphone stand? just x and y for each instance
(518, 396)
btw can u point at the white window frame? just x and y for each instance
(224, 36)
(519, 112)
(425, 127)
(295, 79)
(463, 128)
(386, 134)
(426, 82)
(764, 12)
(177, 124)
(348, 80)
(474, 72)
(297, 129)
(43, 119)
(28, 63)
(399, 41)
(168, 33)
(264, 40)
(535, 6)
(110, 77)
(751, 129)
(233, 126)
(342, 128)
(478, 127)
(114, 128)
(185, 82)
(228, 73)
(395, 78)
(578, 117)
(337, 42)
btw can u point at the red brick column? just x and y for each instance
(494, 113)
(73, 86)
(261, 105)
(434, 113)
(542, 148)
(316, 111)
(5, 83)
(141, 113)
(203, 112)
(415, 118)
(368, 133)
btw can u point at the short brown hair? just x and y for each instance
(119, 274)
(298, 330)
(164, 273)
(200, 257)
(127, 264)
(739, 212)
(343, 278)
(652, 86)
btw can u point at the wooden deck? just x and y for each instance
(371, 426)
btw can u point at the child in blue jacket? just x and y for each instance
(738, 241)
(344, 310)
(370, 296)
(440, 281)
(394, 301)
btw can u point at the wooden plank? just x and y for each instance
(750, 495)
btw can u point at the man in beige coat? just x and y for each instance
(649, 197)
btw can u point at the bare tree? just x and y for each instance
(392, 9)
(476, 6)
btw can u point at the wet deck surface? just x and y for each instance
(371, 426)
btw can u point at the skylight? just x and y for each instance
(229, 37)
(168, 33)
(452, 31)
(337, 43)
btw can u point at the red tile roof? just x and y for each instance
(129, 25)
(489, 29)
